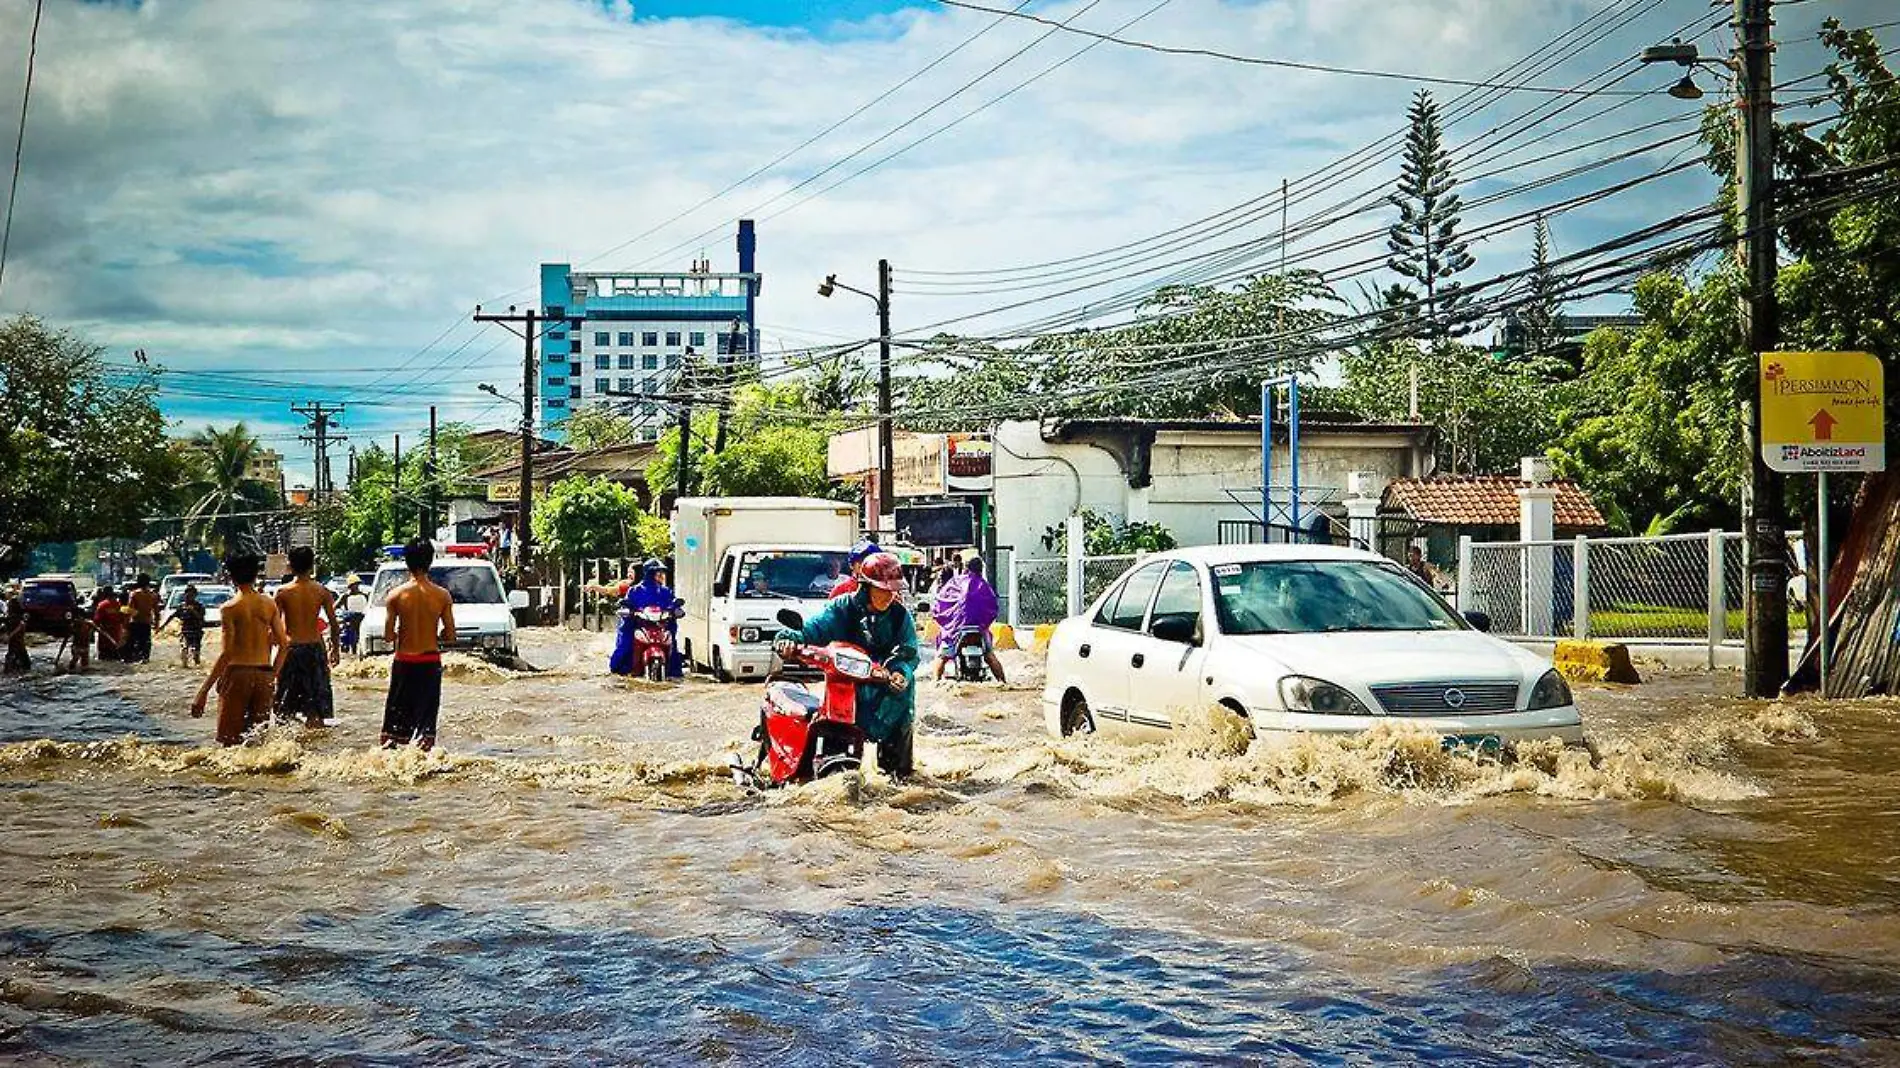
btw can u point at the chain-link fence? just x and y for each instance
(1038, 591)
(1098, 572)
(1674, 588)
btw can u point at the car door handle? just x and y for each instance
(1138, 659)
(1083, 652)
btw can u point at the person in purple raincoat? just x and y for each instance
(966, 602)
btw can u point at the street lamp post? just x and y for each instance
(886, 493)
(1766, 659)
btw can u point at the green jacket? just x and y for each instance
(890, 637)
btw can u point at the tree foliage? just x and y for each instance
(584, 516)
(224, 499)
(597, 426)
(1424, 242)
(80, 455)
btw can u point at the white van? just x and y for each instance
(484, 613)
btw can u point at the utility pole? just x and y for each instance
(524, 529)
(1766, 663)
(886, 489)
(728, 368)
(321, 419)
(431, 502)
(395, 488)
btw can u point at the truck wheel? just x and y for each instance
(719, 671)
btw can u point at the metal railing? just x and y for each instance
(1677, 588)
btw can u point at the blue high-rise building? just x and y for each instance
(616, 336)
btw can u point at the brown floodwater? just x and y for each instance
(574, 878)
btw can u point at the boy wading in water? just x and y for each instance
(303, 667)
(243, 672)
(190, 616)
(416, 612)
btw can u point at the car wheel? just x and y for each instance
(1076, 717)
(719, 667)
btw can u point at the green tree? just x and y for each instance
(597, 426)
(224, 497)
(82, 451)
(1424, 243)
(1542, 318)
(770, 461)
(584, 516)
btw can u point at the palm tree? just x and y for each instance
(221, 489)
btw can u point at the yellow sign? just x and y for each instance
(1823, 411)
(508, 490)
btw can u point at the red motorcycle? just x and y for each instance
(652, 643)
(806, 734)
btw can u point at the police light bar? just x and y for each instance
(466, 549)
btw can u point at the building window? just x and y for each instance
(698, 339)
(602, 361)
(673, 338)
(626, 361)
(557, 381)
(556, 311)
(673, 360)
(601, 386)
(558, 402)
(651, 361)
(650, 338)
(626, 339)
(652, 385)
(602, 339)
(574, 369)
(557, 335)
(574, 392)
(624, 385)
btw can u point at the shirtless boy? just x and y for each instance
(303, 667)
(417, 611)
(243, 673)
(144, 605)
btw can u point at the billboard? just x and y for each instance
(969, 463)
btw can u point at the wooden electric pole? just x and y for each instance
(524, 528)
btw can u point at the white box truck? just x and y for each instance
(739, 560)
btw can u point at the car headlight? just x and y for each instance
(1301, 694)
(1551, 691)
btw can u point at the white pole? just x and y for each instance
(1718, 595)
(1464, 574)
(1015, 593)
(1580, 589)
(1078, 534)
(1820, 575)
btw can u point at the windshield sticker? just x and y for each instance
(1227, 571)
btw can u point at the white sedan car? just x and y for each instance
(1295, 638)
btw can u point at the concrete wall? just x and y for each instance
(1195, 476)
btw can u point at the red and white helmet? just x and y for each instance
(883, 571)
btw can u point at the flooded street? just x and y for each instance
(573, 878)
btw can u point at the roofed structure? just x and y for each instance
(1486, 501)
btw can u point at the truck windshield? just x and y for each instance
(1323, 596)
(466, 585)
(791, 573)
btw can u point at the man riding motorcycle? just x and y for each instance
(873, 617)
(650, 592)
(967, 602)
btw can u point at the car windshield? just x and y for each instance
(467, 584)
(46, 593)
(211, 596)
(782, 575)
(1323, 596)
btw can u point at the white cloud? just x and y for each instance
(331, 184)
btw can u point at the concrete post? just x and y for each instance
(1465, 576)
(1580, 589)
(1014, 583)
(1362, 520)
(1077, 536)
(1537, 513)
(1718, 595)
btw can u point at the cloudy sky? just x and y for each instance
(308, 198)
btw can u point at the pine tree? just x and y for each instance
(1424, 242)
(1542, 317)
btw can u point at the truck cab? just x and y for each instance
(740, 561)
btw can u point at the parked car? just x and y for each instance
(178, 580)
(49, 604)
(1294, 638)
(211, 595)
(484, 613)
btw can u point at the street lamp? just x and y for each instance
(882, 298)
(1684, 54)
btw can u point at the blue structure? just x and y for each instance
(616, 336)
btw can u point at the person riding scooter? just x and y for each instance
(874, 618)
(860, 552)
(650, 592)
(964, 604)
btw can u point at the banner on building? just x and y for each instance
(917, 465)
(508, 490)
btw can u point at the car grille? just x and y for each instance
(1447, 698)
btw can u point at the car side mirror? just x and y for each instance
(1478, 620)
(1177, 629)
(790, 620)
(517, 598)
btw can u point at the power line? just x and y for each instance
(19, 142)
(1258, 61)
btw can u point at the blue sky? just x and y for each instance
(285, 201)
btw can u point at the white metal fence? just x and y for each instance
(1687, 588)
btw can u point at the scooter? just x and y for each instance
(806, 734)
(971, 656)
(652, 642)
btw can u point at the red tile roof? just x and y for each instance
(1486, 501)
